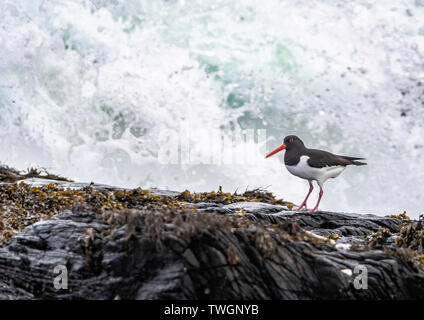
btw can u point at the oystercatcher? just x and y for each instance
(312, 164)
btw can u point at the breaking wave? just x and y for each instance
(88, 89)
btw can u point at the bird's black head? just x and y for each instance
(289, 143)
(292, 142)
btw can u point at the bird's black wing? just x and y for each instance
(320, 159)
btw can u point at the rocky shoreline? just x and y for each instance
(153, 244)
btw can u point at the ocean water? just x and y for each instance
(193, 94)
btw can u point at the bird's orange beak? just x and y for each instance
(282, 147)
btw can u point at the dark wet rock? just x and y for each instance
(256, 208)
(207, 250)
(327, 223)
(322, 223)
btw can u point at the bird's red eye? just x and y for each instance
(291, 140)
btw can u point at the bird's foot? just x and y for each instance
(313, 210)
(302, 206)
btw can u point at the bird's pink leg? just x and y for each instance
(311, 187)
(319, 199)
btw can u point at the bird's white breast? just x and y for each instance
(305, 171)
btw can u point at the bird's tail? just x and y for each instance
(354, 162)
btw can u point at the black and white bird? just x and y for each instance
(312, 164)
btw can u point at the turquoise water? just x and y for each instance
(88, 89)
